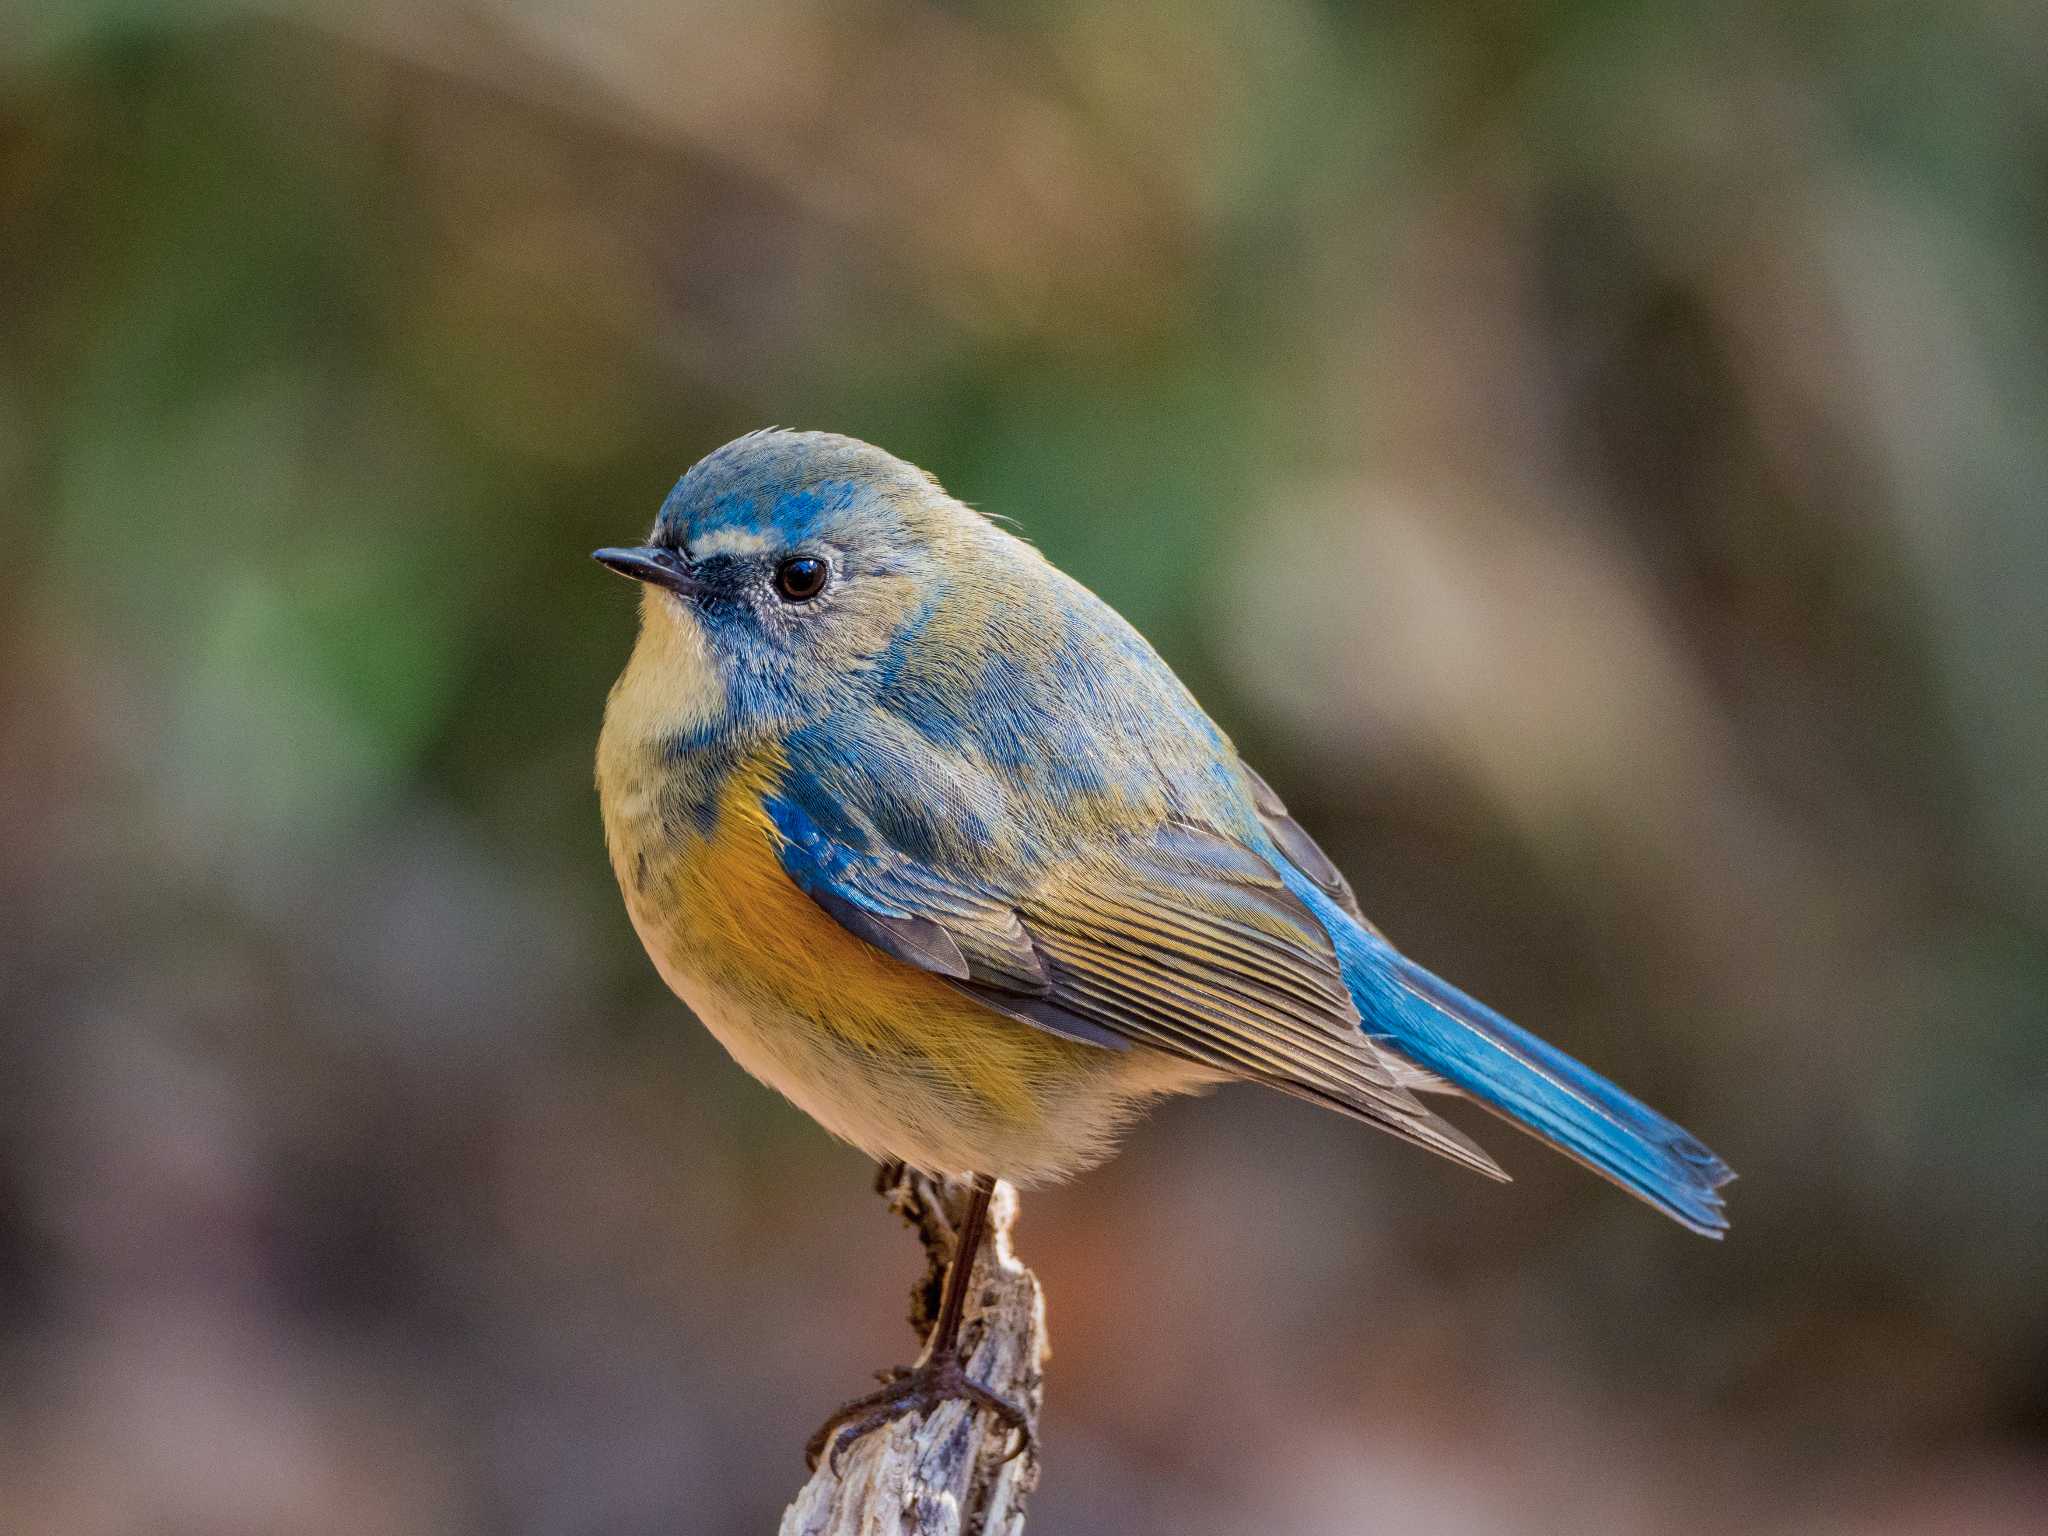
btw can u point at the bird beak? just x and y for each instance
(662, 568)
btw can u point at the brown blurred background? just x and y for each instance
(1591, 456)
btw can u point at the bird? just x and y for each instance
(939, 847)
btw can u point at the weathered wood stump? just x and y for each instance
(951, 1472)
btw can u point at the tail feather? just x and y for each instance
(1431, 1023)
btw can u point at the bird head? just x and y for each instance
(784, 566)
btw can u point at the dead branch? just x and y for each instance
(945, 1474)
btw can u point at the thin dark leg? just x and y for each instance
(940, 1375)
(945, 1338)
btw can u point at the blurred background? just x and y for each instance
(1590, 456)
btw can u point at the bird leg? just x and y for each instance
(941, 1375)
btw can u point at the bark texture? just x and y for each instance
(945, 1474)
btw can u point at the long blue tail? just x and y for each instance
(1431, 1023)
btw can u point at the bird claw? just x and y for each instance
(889, 1172)
(916, 1390)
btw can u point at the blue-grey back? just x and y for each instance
(1020, 715)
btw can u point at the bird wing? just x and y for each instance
(1176, 937)
(1301, 849)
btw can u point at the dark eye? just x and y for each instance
(801, 578)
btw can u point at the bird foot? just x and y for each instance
(917, 1390)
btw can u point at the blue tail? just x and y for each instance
(1431, 1023)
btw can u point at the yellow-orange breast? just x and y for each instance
(887, 1057)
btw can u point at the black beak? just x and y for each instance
(662, 568)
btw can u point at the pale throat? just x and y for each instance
(671, 691)
(671, 685)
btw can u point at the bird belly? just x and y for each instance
(885, 1056)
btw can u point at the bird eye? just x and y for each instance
(800, 579)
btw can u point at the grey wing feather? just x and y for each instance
(1301, 849)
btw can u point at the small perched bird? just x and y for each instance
(938, 847)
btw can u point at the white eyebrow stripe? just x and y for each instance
(728, 541)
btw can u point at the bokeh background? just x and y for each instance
(1592, 457)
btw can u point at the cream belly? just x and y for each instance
(893, 1103)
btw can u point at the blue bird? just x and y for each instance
(938, 847)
